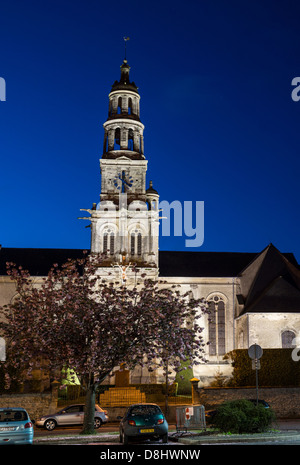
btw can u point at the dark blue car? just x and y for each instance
(143, 421)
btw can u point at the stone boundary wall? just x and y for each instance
(284, 401)
(36, 404)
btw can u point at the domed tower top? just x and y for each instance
(124, 83)
(123, 130)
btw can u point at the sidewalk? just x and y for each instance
(277, 437)
(77, 438)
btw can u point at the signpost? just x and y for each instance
(255, 352)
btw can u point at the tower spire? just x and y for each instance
(125, 40)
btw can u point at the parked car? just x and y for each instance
(15, 426)
(71, 416)
(143, 421)
(210, 414)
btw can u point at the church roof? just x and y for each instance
(171, 263)
(279, 296)
(202, 264)
(271, 282)
(37, 261)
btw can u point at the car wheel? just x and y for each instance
(97, 423)
(50, 424)
(164, 438)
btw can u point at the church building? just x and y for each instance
(253, 297)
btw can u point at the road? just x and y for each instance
(110, 428)
(282, 425)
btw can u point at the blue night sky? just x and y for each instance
(220, 124)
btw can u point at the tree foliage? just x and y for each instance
(75, 319)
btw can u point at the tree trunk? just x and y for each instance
(89, 410)
(167, 393)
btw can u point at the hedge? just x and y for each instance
(277, 368)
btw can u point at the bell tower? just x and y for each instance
(125, 224)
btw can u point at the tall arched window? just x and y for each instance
(129, 106)
(117, 140)
(109, 242)
(136, 243)
(119, 109)
(216, 326)
(287, 339)
(130, 139)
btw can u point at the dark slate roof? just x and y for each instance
(37, 261)
(275, 282)
(279, 296)
(202, 264)
(171, 263)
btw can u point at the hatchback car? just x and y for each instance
(15, 426)
(71, 416)
(143, 421)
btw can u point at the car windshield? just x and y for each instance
(13, 415)
(145, 410)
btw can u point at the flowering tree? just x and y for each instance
(75, 319)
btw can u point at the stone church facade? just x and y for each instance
(253, 298)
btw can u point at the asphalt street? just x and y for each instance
(288, 433)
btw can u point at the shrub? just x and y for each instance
(277, 368)
(242, 416)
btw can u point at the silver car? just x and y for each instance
(15, 426)
(71, 416)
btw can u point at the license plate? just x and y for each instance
(7, 428)
(151, 430)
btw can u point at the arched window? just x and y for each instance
(119, 109)
(216, 326)
(132, 244)
(129, 106)
(112, 243)
(136, 243)
(105, 241)
(108, 242)
(117, 139)
(130, 139)
(287, 339)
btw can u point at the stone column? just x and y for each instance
(54, 396)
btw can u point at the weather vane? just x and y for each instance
(125, 40)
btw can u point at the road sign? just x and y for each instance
(256, 364)
(255, 351)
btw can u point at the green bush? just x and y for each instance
(242, 416)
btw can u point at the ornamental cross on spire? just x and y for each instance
(125, 40)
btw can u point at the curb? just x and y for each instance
(240, 438)
(79, 439)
